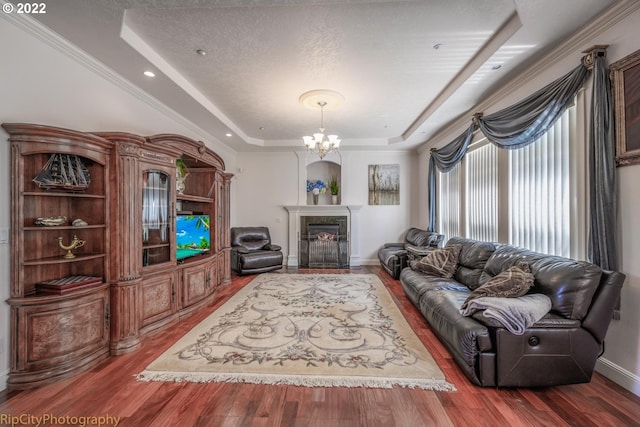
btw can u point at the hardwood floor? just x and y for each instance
(111, 390)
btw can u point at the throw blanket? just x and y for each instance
(515, 314)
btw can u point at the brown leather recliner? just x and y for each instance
(252, 251)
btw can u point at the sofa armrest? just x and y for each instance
(418, 251)
(555, 321)
(272, 247)
(394, 245)
(603, 304)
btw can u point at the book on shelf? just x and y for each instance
(67, 284)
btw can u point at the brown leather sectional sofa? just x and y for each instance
(561, 348)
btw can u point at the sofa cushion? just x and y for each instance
(254, 244)
(473, 257)
(512, 283)
(462, 334)
(415, 284)
(418, 237)
(251, 238)
(570, 284)
(440, 262)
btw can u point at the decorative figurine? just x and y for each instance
(75, 243)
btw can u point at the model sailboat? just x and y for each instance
(63, 172)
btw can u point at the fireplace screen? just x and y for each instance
(324, 247)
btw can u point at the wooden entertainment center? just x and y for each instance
(94, 266)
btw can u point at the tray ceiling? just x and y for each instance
(405, 68)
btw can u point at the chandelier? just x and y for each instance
(320, 143)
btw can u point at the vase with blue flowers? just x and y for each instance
(316, 188)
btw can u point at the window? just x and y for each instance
(449, 202)
(482, 193)
(539, 196)
(525, 197)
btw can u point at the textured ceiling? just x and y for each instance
(262, 55)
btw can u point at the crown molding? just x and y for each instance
(73, 52)
(595, 28)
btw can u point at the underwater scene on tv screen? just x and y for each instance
(192, 235)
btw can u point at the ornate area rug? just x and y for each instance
(316, 330)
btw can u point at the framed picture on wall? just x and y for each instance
(384, 184)
(625, 76)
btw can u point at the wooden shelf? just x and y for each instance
(61, 260)
(62, 227)
(66, 195)
(55, 333)
(190, 198)
(158, 245)
(37, 298)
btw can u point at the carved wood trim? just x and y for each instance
(196, 149)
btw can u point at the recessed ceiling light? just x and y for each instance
(228, 134)
(201, 52)
(149, 73)
(261, 127)
(437, 46)
(496, 67)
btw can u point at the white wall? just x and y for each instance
(269, 181)
(39, 84)
(621, 360)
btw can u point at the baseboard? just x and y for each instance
(619, 375)
(4, 376)
(365, 261)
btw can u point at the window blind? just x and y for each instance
(449, 202)
(482, 193)
(539, 196)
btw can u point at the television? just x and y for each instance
(192, 236)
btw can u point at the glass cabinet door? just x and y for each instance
(156, 217)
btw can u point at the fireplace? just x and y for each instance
(323, 246)
(331, 250)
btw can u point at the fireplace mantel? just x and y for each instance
(352, 212)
